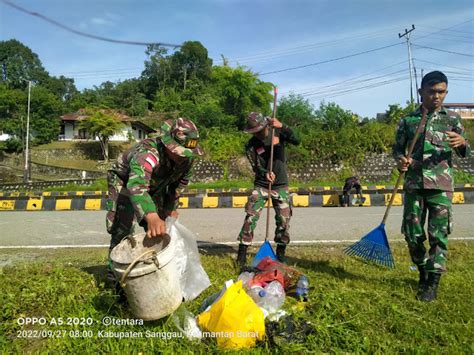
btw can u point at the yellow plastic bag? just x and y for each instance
(235, 320)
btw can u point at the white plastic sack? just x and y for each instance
(194, 279)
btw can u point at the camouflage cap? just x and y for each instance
(181, 136)
(255, 122)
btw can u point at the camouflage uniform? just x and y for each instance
(429, 185)
(351, 182)
(145, 179)
(258, 153)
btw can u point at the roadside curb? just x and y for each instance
(323, 196)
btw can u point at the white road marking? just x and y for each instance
(203, 244)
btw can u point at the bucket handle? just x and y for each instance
(134, 262)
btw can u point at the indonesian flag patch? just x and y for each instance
(260, 150)
(150, 162)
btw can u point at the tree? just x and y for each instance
(334, 117)
(240, 92)
(295, 111)
(102, 124)
(191, 62)
(18, 64)
(44, 115)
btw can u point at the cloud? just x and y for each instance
(101, 21)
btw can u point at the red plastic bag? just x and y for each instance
(275, 269)
(265, 277)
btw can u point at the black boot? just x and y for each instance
(242, 255)
(423, 281)
(429, 294)
(280, 253)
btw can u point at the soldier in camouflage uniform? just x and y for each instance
(350, 183)
(429, 180)
(258, 153)
(146, 181)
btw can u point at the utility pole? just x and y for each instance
(26, 176)
(407, 37)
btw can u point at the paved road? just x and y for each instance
(213, 225)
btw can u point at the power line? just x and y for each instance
(347, 83)
(443, 50)
(362, 88)
(443, 65)
(80, 33)
(330, 60)
(450, 28)
(304, 48)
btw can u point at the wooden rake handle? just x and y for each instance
(270, 163)
(420, 128)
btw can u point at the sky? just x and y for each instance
(343, 51)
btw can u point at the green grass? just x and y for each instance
(80, 164)
(353, 306)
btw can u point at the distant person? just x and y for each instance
(258, 153)
(429, 180)
(146, 181)
(352, 182)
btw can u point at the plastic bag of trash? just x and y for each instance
(186, 323)
(194, 279)
(235, 320)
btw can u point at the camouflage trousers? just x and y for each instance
(121, 219)
(256, 203)
(437, 205)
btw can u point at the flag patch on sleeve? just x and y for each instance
(150, 163)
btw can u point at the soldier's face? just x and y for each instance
(262, 134)
(433, 96)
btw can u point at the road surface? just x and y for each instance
(308, 225)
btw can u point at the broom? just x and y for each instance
(374, 246)
(266, 249)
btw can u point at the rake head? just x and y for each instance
(373, 248)
(264, 251)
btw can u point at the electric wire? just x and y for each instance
(330, 60)
(84, 34)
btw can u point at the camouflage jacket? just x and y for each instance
(152, 179)
(432, 166)
(258, 153)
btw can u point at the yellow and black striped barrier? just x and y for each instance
(210, 198)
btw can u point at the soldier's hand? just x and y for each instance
(455, 140)
(270, 177)
(173, 214)
(404, 163)
(275, 123)
(156, 226)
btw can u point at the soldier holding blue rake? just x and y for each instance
(429, 180)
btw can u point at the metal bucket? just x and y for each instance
(147, 272)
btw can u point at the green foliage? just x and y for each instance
(296, 111)
(396, 112)
(102, 124)
(44, 115)
(224, 145)
(333, 117)
(19, 64)
(13, 145)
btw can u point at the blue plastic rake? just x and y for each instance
(374, 246)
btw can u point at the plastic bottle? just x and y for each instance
(274, 298)
(257, 293)
(246, 277)
(302, 288)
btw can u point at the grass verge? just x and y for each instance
(353, 306)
